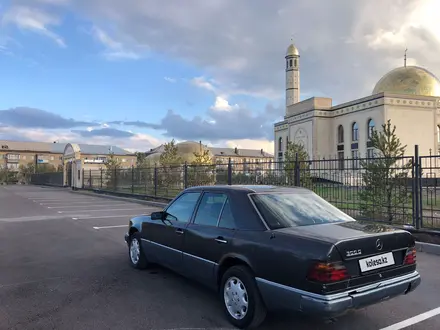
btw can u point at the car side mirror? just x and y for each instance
(158, 215)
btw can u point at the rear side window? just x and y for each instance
(282, 210)
(226, 218)
(210, 209)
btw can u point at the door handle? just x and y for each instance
(221, 240)
(179, 231)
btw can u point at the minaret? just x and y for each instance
(292, 75)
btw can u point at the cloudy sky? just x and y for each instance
(137, 73)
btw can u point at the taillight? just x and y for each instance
(410, 257)
(328, 272)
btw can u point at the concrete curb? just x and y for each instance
(126, 199)
(428, 248)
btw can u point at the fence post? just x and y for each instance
(416, 199)
(83, 178)
(229, 172)
(101, 177)
(155, 180)
(296, 173)
(115, 179)
(185, 175)
(90, 178)
(132, 179)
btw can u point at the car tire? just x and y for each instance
(135, 253)
(242, 291)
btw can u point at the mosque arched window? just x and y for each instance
(290, 62)
(355, 132)
(371, 126)
(280, 144)
(340, 134)
(340, 147)
(370, 129)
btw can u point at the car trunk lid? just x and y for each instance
(370, 252)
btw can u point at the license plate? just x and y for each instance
(379, 261)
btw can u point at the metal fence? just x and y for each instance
(49, 179)
(400, 190)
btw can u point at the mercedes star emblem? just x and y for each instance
(379, 244)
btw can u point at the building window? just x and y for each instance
(13, 166)
(296, 63)
(13, 156)
(340, 134)
(371, 126)
(355, 132)
(370, 153)
(280, 144)
(287, 142)
(355, 158)
(290, 62)
(341, 162)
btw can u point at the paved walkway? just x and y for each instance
(64, 265)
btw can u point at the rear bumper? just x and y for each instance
(277, 296)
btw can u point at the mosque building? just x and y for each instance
(408, 96)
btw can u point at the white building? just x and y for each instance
(409, 96)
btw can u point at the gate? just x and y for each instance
(428, 177)
(69, 174)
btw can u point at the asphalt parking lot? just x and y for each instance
(64, 265)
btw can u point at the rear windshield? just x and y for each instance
(282, 210)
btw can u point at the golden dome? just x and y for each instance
(292, 51)
(411, 80)
(185, 150)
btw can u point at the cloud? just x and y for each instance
(36, 118)
(345, 46)
(105, 132)
(114, 50)
(227, 123)
(222, 104)
(171, 80)
(241, 44)
(35, 20)
(135, 142)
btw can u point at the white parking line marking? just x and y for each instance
(108, 216)
(104, 210)
(413, 320)
(82, 206)
(67, 202)
(106, 227)
(60, 199)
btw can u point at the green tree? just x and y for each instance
(112, 171)
(144, 174)
(293, 149)
(170, 155)
(141, 160)
(202, 169)
(26, 171)
(385, 177)
(170, 172)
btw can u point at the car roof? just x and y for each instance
(250, 188)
